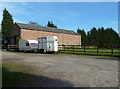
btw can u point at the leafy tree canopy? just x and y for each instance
(7, 26)
(50, 24)
(100, 37)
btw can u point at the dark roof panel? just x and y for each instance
(48, 29)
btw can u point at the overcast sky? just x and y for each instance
(66, 15)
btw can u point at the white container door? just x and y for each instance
(50, 47)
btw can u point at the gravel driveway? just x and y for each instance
(67, 70)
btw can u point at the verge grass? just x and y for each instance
(13, 74)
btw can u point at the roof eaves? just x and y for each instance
(48, 29)
(17, 25)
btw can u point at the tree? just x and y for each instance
(83, 36)
(112, 38)
(50, 24)
(88, 39)
(7, 26)
(93, 36)
(101, 37)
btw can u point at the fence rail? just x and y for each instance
(92, 50)
(12, 47)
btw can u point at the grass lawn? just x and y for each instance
(13, 74)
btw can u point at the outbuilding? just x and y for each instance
(23, 31)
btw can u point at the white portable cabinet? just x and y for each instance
(28, 45)
(48, 44)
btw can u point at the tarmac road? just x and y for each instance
(67, 70)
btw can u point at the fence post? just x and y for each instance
(84, 49)
(73, 48)
(8, 47)
(64, 48)
(97, 49)
(112, 50)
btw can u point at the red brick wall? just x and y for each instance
(62, 38)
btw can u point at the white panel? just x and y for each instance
(49, 43)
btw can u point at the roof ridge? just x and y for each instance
(42, 26)
(38, 27)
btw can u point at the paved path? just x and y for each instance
(67, 70)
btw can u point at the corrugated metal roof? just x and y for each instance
(43, 28)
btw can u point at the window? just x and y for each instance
(27, 44)
(33, 44)
(55, 39)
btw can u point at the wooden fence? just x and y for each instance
(91, 50)
(79, 49)
(12, 47)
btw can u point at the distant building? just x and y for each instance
(32, 32)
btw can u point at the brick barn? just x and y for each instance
(32, 32)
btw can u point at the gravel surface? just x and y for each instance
(52, 70)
